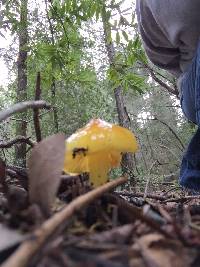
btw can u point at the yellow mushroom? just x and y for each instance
(96, 148)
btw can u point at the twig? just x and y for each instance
(149, 179)
(36, 111)
(172, 90)
(154, 118)
(172, 152)
(18, 139)
(135, 213)
(22, 106)
(130, 194)
(29, 248)
(171, 220)
(171, 130)
(170, 190)
(181, 199)
(195, 226)
(147, 187)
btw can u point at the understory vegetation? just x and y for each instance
(86, 60)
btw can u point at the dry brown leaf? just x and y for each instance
(158, 251)
(118, 235)
(137, 262)
(44, 169)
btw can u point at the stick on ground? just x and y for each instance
(29, 248)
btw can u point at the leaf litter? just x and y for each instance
(59, 220)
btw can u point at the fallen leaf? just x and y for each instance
(118, 235)
(44, 170)
(158, 251)
(9, 240)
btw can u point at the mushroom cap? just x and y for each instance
(97, 148)
(81, 163)
(99, 135)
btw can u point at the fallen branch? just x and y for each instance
(181, 199)
(18, 139)
(29, 248)
(130, 194)
(135, 213)
(22, 106)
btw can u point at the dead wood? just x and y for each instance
(16, 140)
(22, 106)
(134, 213)
(30, 247)
(131, 194)
(182, 199)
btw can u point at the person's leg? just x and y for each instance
(190, 102)
(190, 166)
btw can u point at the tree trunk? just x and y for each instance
(55, 114)
(21, 127)
(53, 85)
(123, 118)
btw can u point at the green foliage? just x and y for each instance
(67, 47)
(125, 72)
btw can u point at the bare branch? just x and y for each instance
(22, 106)
(164, 123)
(171, 151)
(173, 90)
(19, 139)
(172, 131)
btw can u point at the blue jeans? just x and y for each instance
(190, 103)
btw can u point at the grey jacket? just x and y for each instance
(170, 30)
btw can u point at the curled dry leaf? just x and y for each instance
(44, 169)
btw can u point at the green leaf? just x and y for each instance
(125, 35)
(117, 38)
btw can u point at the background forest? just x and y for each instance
(85, 58)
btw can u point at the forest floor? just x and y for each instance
(103, 227)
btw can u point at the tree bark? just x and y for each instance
(123, 117)
(55, 114)
(21, 127)
(53, 85)
(36, 112)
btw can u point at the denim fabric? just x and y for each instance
(190, 90)
(190, 103)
